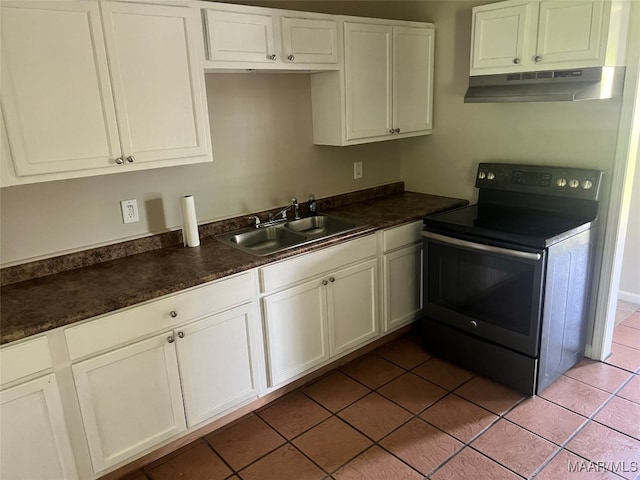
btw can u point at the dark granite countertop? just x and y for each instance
(40, 304)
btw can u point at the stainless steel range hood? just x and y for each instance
(547, 86)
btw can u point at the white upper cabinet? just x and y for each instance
(306, 40)
(385, 90)
(517, 36)
(56, 92)
(240, 36)
(412, 80)
(93, 88)
(368, 76)
(244, 37)
(157, 81)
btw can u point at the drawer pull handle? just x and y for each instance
(332, 279)
(181, 334)
(173, 314)
(324, 282)
(171, 339)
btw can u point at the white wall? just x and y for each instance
(630, 273)
(263, 155)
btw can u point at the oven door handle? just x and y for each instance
(480, 246)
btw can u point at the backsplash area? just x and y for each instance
(50, 266)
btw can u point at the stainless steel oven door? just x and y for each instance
(486, 290)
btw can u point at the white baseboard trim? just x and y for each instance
(629, 297)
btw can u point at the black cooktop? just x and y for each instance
(534, 206)
(528, 227)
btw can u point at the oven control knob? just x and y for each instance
(482, 175)
(587, 184)
(573, 183)
(561, 182)
(491, 176)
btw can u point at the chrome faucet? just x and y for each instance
(283, 213)
(281, 216)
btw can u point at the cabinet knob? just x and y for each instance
(537, 58)
(119, 161)
(397, 130)
(392, 131)
(181, 334)
(131, 159)
(291, 58)
(171, 339)
(173, 314)
(272, 56)
(474, 324)
(332, 279)
(324, 282)
(516, 61)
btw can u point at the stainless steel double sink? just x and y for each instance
(288, 234)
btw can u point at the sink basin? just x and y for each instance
(266, 240)
(272, 239)
(320, 226)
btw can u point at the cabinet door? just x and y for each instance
(569, 31)
(352, 303)
(240, 37)
(158, 81)
(412, 79)
(130, 399)
(33, 433)
(402, 286)
(56, 93)
(309, 41)
(217, 360)
(502, 35)
(296, 330)
(368, 72)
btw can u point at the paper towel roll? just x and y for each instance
(190, 237)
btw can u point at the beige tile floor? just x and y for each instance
(399, 413)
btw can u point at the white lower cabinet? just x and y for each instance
(323, 311)
(351, 302)
(402, 275)
(33, 433)
(34, 438)
(296, 330)
(130, 399)
(137, 395)
(218, 364)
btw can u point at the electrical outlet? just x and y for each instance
(129, 211)
(357, 170)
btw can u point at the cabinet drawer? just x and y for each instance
(401, 236)
(291, 271)
(163, 314)
(24, 358)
